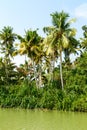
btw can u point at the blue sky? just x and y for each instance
(26, 14)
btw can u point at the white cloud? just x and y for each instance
(81, 11)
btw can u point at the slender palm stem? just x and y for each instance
(61, 75)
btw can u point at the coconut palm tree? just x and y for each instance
(30, 46)
(73, 48)
(50, 50)
(7, 38)
(59, 36)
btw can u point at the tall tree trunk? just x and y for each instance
(50, 71)
(35, 74)
(51, 67)
(40, 75)
(61, 75)
(6, 69)
(39, 80)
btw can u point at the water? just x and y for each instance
(14, 119)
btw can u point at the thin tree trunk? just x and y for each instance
(40, 80)
(6, 69)
(52, 65)
(35, 74)
(61, 75)
(40, 75)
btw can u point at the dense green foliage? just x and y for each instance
(26, 95)
(41, 82)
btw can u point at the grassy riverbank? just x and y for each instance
(28, 96)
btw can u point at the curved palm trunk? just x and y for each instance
(61, 75)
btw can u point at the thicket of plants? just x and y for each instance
(44, 81)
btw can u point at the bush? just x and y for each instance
(80, 104)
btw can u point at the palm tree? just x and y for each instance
(7, 38)
(50, 50)
(73, 48)
(60, 35)
(8, 78)
(30, 46)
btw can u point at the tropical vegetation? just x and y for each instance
(49, 78)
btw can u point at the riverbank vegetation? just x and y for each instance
(49, 78)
